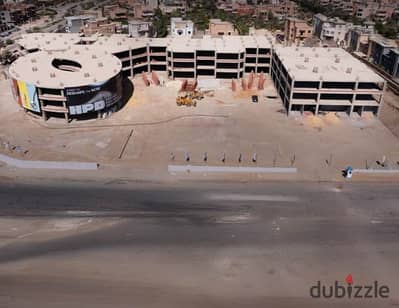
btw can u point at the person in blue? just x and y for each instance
(348, 172)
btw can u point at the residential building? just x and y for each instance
(139, 28)
(99, 26)
(74, 24)
(152, 4)
(180, 27)
(391, 63)
(5, 17)
(114, 12)
(283, 8)
(243, 9)
(377, 10)
(331, 29)
(168, 7)
(357, 39)
(218, 27)
(379, 48)
(17, 13)
(296, 31)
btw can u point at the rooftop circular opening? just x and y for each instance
(66, 65)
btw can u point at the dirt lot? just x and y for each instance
(226, 122)
(390, 112)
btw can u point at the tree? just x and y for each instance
(389, 29)
(160, 23)
(242, 24)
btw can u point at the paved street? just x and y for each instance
(127, 244)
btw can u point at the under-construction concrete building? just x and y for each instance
(182, 57)
(307, 79)
(325, 79)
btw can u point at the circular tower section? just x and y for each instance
(74, 83)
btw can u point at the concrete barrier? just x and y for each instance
(38, 164)
(227, 169)
(375, 171)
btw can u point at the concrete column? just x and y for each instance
(238, 66)
(171, 64)
(216, 60)
(65, 106)
(395, 67)
(351, 110)
(257, 59)
(195, 64)
(131, 62)
(318, 98)
(291, 95)
(381, 100)
(317, 103)
(148, 58)
(44, 115)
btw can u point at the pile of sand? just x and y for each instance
(314, 121)
(245, 94)
(175, 84)
(368, 116)
(331, 118)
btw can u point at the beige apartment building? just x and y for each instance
(114, 11)
(296, 31)
(99, 26)
(218, 27)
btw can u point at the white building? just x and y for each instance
(75, 23)
(5, 17)
(139, 28)
(331, 29)
(180, 27)
(153, 4)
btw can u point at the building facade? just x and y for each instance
(220, 28)
(296, 31)
(74, 24)
(331, 29)
(100, 26)
(180, 27)
(140, 28)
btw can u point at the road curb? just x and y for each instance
(227, 169)
(39, 164)
(376, 171)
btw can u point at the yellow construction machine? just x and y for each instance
(185, 100)
(189, 98)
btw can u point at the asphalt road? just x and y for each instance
(198, 245)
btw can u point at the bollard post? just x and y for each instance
(293, 160)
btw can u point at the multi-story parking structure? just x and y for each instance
(182, 57)
(325, 79)
(314, 79)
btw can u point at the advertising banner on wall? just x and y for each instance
(28, 96)
(15, 91)
(93, 98)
